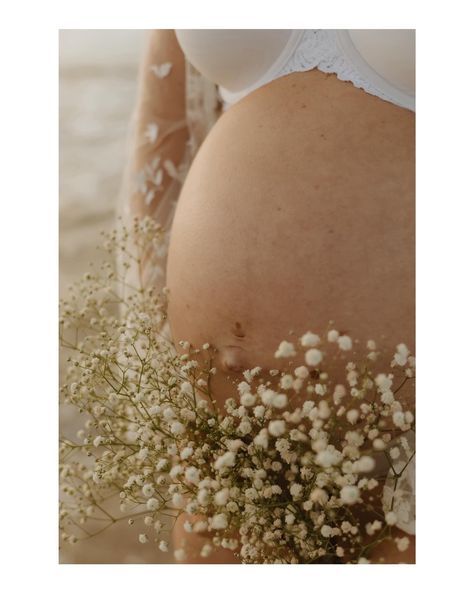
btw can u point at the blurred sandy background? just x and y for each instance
(97, 81)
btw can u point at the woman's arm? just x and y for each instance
(160, 129)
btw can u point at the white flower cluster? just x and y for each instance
(280, 474)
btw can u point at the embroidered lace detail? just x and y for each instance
(319, 49)
(399, 494)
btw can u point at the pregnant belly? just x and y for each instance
(297, 210)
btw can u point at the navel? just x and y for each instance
(237, 330)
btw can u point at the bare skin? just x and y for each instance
(298, 209)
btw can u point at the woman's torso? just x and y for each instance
(298, 209)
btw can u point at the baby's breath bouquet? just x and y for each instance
(278, 474)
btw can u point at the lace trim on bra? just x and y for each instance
(326, 50)
(319, 49)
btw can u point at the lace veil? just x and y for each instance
(203, 108)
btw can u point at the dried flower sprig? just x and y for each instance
(274, 481)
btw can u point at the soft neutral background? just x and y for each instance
(97, 80)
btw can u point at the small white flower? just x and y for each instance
(158, 526)
(247, 399)
(313, 357)
(371, 344)
(333, 335)
(346, 526)
(372, 484)
(186, 388)
(327, 458)
(200, 526)
(379, 444)
(219, 521)
(221, 497)
(178, 500)
(296, 490)
(320, 389)
(177, 428)
(387, 397)
(143, 538)
(365, 464)
(344, 342)
(285, 350)
(383, 382)
(401, 357)
(277, 427)
(206, 550)
(152, 504)
(148, 490)
(339, 393)
(192, 475)
(349, 494)
(280, 401)
(301, 372)
(319, 496)
(244, 427)
(310, 339)
(352, 415)
(226, 460)
(286, 381)
(391, 518)
(372, 527)
(234, 445)
(261, 439)
(243, 387)
(98, 441)
(268, 396)
(326, 530)
(399, 418)
(402, 543)
(163, 546)
(186, 453)
(179, 554)
(394, 452)
(175, 471)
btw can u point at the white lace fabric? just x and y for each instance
(399, 493)
(330, 51)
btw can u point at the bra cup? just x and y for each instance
(390, 52)
(233, 58)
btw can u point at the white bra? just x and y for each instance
(379, 61)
